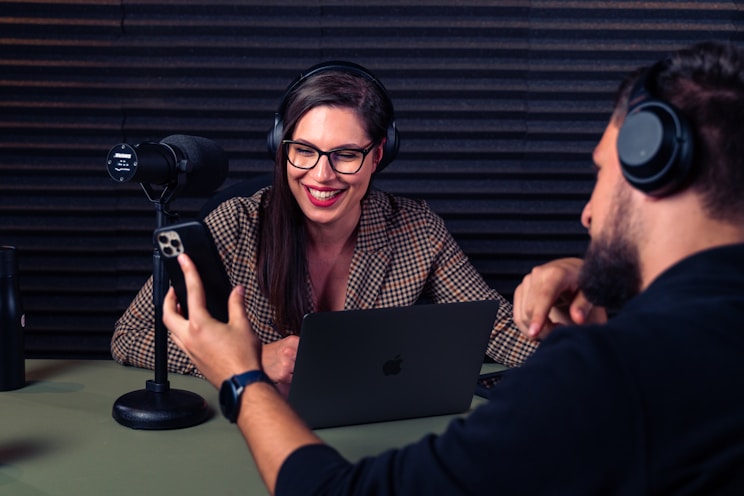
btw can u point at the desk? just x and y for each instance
(57, 437)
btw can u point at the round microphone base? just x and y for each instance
(159, 408)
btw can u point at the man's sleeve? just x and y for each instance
(567, 422)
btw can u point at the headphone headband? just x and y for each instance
(276, 133)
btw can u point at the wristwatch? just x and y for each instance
(232, 390)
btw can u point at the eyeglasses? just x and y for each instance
(342, 160)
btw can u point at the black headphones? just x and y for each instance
(276, 133)
(655, 142)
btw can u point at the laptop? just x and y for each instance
(362, 366)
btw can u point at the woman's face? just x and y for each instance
(327, 198)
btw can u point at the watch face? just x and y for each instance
(233, 388)
(228, 400)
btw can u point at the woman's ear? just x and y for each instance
(379, 152)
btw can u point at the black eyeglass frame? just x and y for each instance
(363, 151)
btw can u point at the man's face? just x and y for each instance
(611, 274)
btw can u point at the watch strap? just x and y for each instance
(232, 391)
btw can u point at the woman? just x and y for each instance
(321, 239)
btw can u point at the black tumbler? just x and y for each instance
(12, 321)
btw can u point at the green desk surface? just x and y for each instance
(57, 437)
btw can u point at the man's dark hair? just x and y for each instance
(705, 82)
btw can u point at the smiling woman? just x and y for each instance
(321, 238)
(331, 201)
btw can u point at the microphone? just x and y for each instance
(195, 165)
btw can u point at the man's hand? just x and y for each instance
(549, 296)
(218, 350)
(272, 430)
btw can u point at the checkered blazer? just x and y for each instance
(403, 252)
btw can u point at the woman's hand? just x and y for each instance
(278, 359)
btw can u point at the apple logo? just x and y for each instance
(392, 366)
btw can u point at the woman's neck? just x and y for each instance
(332, 239)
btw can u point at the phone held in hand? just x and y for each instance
(194, 239)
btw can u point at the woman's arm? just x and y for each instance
(133, 341)
(453, 278)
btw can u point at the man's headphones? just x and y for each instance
(276, 133)
(655, 142)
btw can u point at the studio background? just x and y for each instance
(499, 105)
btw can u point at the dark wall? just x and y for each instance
(499, 106)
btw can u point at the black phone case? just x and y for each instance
(194, 239)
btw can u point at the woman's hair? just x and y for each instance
(705, 83)
(282, 260)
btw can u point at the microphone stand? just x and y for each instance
(158, 406)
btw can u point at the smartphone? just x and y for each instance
(193, 239)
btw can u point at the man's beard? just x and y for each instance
(611, 273)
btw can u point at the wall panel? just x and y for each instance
(499, 105)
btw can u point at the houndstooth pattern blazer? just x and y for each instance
(403, 252)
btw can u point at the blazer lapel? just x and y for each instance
(371, 260)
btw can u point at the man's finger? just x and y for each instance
(194, 288)
(235, 307)
(543, 332)
(585, 312)
(171, 313)
(580, 308)
(541, 303)
(525, 317)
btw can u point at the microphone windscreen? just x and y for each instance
(208, 162)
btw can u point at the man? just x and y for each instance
(651, 402)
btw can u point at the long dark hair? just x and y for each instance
(282, 255)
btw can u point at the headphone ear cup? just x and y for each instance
(654, 146)
(274, 136)
(390, 150)
(276, 133)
